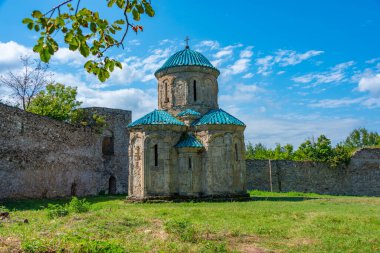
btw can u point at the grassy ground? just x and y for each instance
(272, 222)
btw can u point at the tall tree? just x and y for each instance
(361, 137)
(25, 84)
(57, 102)
(84, 30)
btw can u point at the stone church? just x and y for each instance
(188, 147)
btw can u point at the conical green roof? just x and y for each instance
(186, 57)
(157, 117)
(189, 141)
(218, 117)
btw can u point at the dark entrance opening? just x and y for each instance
(112, 185)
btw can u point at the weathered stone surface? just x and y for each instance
(42, 157)
(361, 177)
(216, 169)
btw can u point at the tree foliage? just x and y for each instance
(361, 137)
(320, 150)
(25, 84)
(59, 102)
(85, 31)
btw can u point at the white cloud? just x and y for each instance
(239, 66)
(141, 69)
(295, 129)
(290, 57)
(283, 58)
(208, 44)
(247, 52)
(370, 84)
(66, 56)
(335, 103)
(373, 60)
(139, 101)
(248, 75)
(242, 93)
(335, 74)
(10, 54)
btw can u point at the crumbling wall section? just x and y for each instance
(44, 158)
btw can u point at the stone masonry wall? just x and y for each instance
(361, 177)
(42, 157)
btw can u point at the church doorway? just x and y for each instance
(112, 185)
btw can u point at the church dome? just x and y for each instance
(186, 57)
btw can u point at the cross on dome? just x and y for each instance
(187, 42)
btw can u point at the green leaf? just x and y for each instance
(27, 21)
(111, 3)
(30, 26)
(37, 14)
(88, 66)
(118, 64)
(136, 15)
(93, 27)
(84, 49)
(149, 10)
(74, 44)
(44, 54)
(140, 9)
(37, 48)
(36, 28)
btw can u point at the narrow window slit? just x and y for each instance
(195, 90)
(155, 155)
(236, 152)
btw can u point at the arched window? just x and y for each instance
(156, 155)
(236, 152)
(112, 185)
(195, 90)
(190, 163)
(107, 146)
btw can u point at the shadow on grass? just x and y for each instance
(292, 199)
(39, 204)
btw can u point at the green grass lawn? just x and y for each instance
(271, 222)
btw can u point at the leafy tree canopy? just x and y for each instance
(85, 31)
(59, 102)
(361, 137)
(320, 150)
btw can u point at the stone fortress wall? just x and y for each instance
(41, 157)
(361, 177)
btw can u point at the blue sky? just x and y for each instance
(289, 69)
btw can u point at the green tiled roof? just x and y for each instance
(189, 141)
(157, 117)
(218, 117)
(186, 57)
(188, 112)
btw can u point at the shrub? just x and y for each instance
(79, 206)
(55, 210)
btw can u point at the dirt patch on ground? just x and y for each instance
(246, 244)
(10, 245)
(156, 230)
